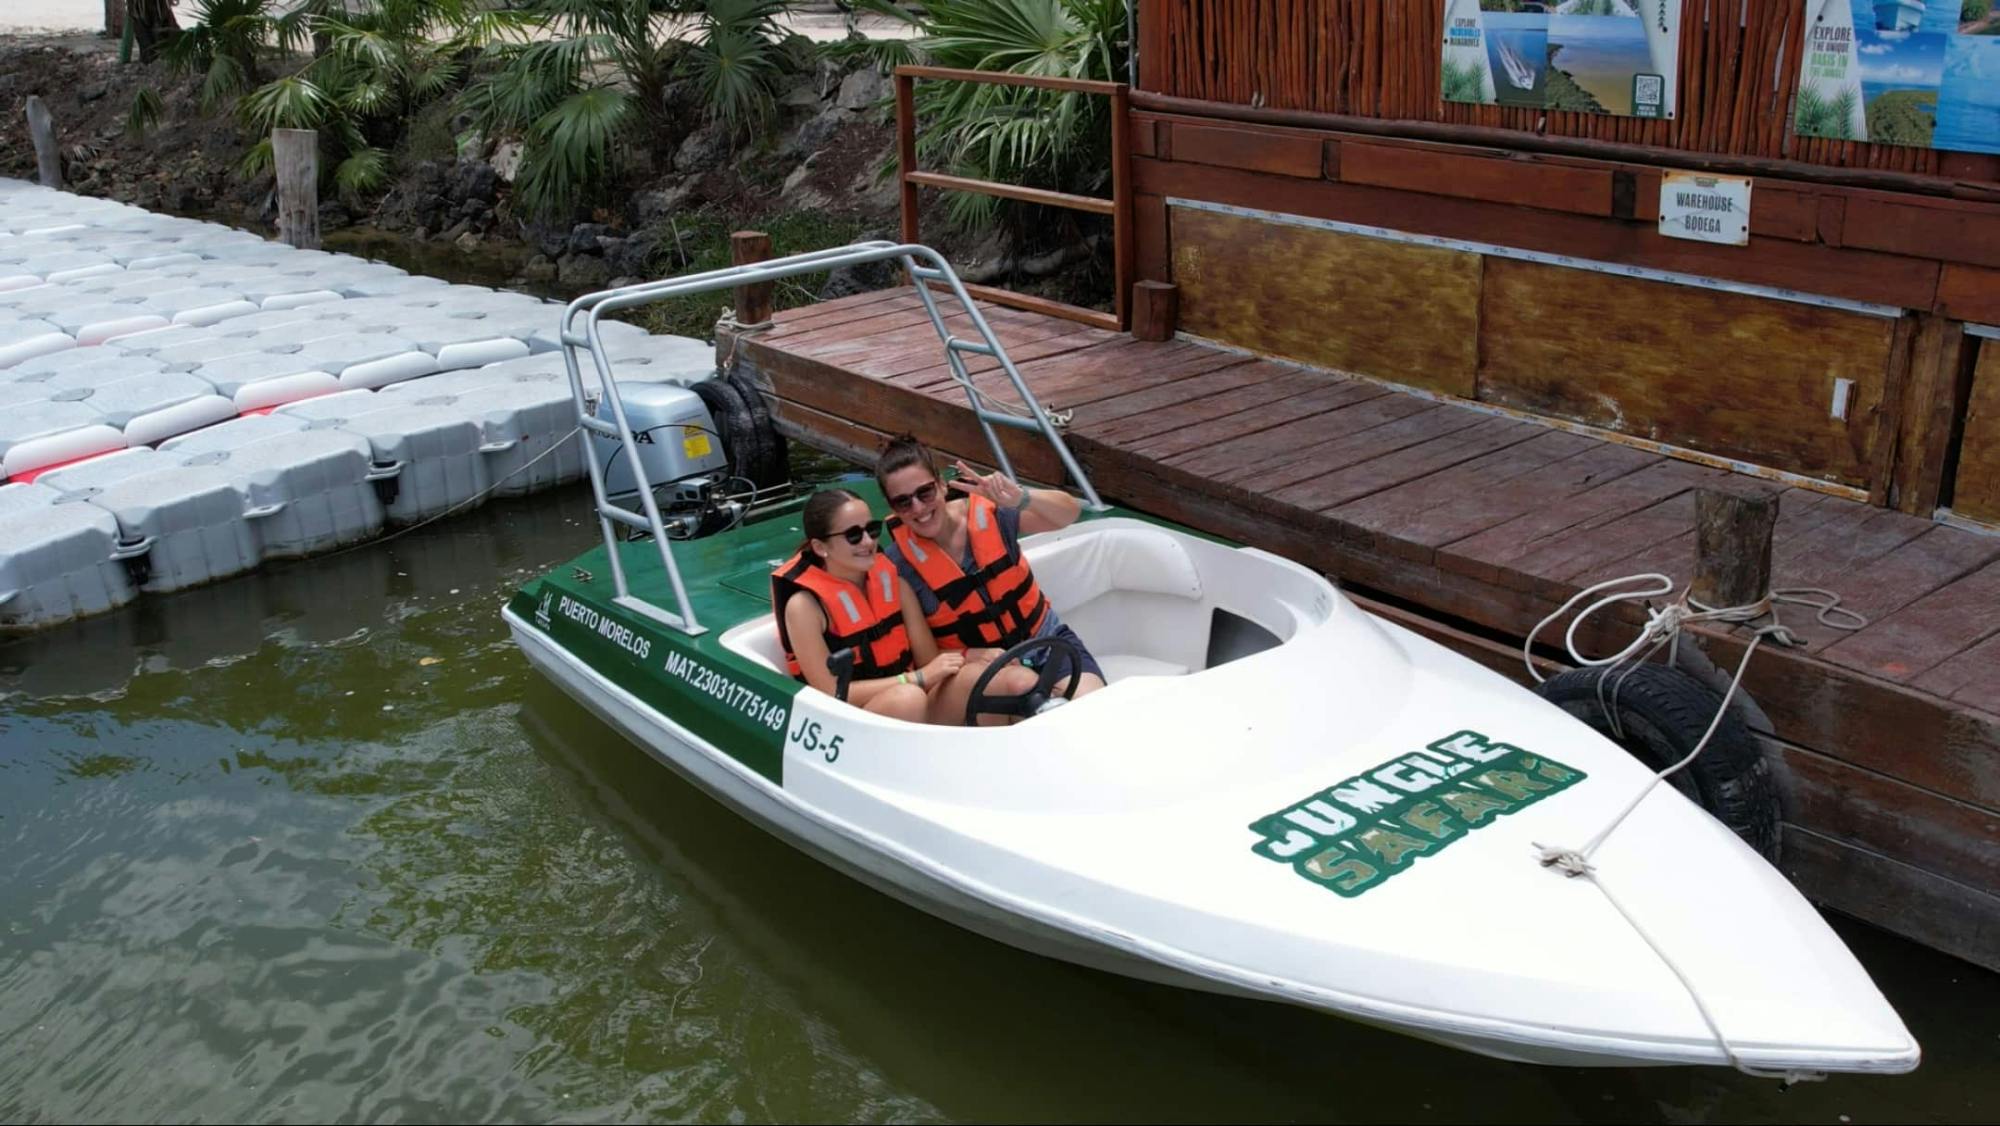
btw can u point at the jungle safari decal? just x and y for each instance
(1901, 72)
(1593, 56)
(1354, 835)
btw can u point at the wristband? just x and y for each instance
(920, 678)
(1027, 495)
(902, 678)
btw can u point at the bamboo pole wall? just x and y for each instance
(1380, 58)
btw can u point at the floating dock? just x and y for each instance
(180, 401)
(1471, 525)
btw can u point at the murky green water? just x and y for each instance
(317, 844)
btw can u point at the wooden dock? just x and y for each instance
(1472, 525)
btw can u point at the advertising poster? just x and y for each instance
(1591, 56)
(1901, 72)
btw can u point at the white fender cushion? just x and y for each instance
(393, 369)
(294, 300)
(70, 445)
(33, 346)
(159, 425)
(11, 281)
(100, 331)
(1076, 570)
(89, 271)
(210, 314)
(475, 353)
(284, 389)
(159, 261)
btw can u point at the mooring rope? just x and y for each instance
(1663, 628)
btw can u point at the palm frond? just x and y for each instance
(287, 103)
(364, 171)
(145, 112)
(257, 161)
(573, 145)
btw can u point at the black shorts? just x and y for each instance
(1061, 658)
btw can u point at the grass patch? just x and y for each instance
(702, 240)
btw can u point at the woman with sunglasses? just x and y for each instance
(837, 593)
(962, 557)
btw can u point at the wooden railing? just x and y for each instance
(1118, 207)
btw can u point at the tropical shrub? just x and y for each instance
(1013, 134)
(593, 83)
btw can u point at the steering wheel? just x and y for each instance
(1034, 699)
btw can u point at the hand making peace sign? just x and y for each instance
(996, 486)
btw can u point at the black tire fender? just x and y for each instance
(773, 465)
(736, 428)
(1661, 715)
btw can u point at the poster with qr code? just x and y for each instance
(1901, 72)
(1616, 57)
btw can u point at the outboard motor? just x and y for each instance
(677, 439)
(708, 450)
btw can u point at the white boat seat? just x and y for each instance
(1079, 569)
(1124, 666)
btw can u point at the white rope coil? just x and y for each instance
(1663, 628)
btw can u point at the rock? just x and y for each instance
(703, 149)
(467, 241)
(647, 208)
(800, 193)
(634, 255)
(93, 92)
(803, 94)
(622, 282)
(871, 190)
(453, 233)
(476, 180)
(860, 90)
(506, 161)
(813, 135)
(539, 269)
(583, 238)
(471, 146)
(582, 269)
(849, 280)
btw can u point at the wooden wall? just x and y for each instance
(1380, 59)
(1744, 377)
(1976, 482)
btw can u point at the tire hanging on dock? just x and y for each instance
(1658, 714)
(743, 424)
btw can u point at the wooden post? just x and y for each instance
(753, 302)
(906, 150)
(1733, 546)
(48, 158)
(295, 154)
(1121, 200)
(1155, 308)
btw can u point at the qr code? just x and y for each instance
(1649, 90)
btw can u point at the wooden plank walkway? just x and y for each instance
(1888, 739)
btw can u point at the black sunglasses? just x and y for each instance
(872, 529)
(901, 502)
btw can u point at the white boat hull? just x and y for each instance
(958, 862)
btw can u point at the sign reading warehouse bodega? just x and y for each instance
(1355, 834)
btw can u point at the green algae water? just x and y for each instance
(317, 844)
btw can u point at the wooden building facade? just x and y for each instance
(1299, 179)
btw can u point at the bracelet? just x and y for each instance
(902, 678)
(920, 678)
(1027, 495)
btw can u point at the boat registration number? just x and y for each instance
(1358, 833)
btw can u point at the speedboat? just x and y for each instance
(1277, 796)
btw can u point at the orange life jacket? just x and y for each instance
(998, 605)
(867, 619)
